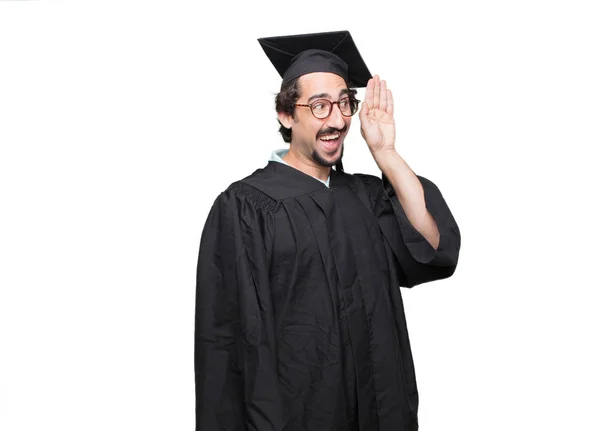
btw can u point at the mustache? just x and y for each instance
(331, 130)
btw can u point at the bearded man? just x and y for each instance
(299, 317)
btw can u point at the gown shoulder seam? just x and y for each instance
(255, 196)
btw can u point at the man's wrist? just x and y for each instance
(386, 158)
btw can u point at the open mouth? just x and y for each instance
(331, 140)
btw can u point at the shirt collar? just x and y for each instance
(277, 156)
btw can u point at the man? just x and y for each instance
(299, 318)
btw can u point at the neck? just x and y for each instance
(306, 164)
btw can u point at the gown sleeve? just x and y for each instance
(418, 261)
(231, 272)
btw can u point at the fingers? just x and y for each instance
(376, 92)
(383, 93)
(377, 96)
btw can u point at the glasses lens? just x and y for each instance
(321, 108)
(348, 106)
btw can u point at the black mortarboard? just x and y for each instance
(334, 52)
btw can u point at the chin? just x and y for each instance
(326, 158)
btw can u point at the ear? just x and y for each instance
(285, 119)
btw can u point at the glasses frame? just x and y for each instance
(330, 106)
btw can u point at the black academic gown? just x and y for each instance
(299, 318)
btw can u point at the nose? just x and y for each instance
(336, 119)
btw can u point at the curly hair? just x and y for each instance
(285, 102)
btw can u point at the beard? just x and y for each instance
(327, 163)
(317, 157)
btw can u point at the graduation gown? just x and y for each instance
(299, 319)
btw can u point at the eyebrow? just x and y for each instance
(326, 95)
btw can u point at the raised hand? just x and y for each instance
(377, 116)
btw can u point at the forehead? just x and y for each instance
(321, 82)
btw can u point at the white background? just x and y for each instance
(121, 122)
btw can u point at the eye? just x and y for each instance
(344, 103)
(319, 106)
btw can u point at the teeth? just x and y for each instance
(330, 137)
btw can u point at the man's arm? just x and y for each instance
(410, 193)
(378, 128)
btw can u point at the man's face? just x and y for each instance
(321, 140)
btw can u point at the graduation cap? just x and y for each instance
(335, 52)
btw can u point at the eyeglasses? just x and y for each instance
(321, 108)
